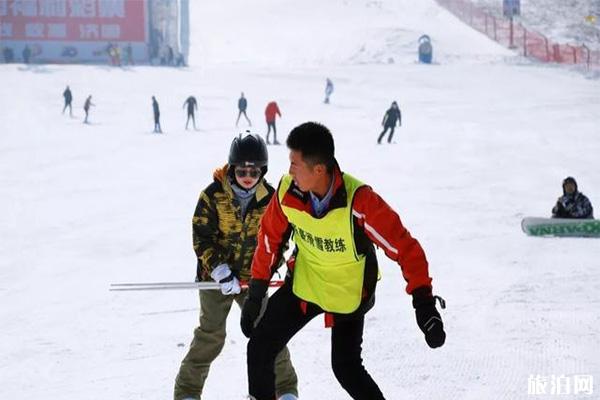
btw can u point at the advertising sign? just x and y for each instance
(79, 30)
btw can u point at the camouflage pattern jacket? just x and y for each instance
(575, 205)
(219, 233)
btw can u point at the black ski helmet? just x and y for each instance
(249, 151)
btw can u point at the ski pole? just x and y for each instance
(121, 287)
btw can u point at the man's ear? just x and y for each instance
(320, 169)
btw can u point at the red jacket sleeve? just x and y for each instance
(383, 226)
(273, 235)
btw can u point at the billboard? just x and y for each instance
(74, 30)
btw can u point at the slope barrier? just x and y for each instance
(515, 36)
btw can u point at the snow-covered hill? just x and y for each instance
(337, 32)
(484, 142)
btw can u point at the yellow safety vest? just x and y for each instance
(328, 271)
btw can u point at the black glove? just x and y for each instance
(257, 290)
(428, 317)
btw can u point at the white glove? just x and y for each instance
(229, 283)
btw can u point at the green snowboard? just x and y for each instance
(561, 227)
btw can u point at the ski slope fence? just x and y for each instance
(515, 36)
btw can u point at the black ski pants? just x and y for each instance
(68, 104)
(157, 127)
(282, 319)
(192, 116)
(269, 126)
(385, 128)
(243, 112)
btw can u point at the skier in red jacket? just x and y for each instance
(271, 112)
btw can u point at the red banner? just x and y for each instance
(73, 20)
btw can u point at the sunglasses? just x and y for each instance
(252, 173)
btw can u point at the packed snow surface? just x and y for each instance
(486, 140)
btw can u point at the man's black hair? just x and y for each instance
(315, 142)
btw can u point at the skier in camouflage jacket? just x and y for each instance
(225, 226)
(573, 203)
(222, 231)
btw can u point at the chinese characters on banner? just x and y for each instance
(73, 20)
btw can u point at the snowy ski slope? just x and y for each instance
(486, 139)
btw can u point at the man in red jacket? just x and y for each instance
(335, 220)
(271, 112)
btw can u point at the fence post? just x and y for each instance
(556, 51)
(486, 24)
(574, 52)
(495, 33)
(524, 42)
(471, 14)
(511, 44)
(587, 58)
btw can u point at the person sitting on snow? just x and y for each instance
(572, 204)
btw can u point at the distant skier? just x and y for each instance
(242, 106)
(86, 107)
(129, 54)
(114, 51)
(192, 105)
(8, 54)
(26, 54)
(271, 113)
(156, 110)
(572, 204)
(328, 90)
(392, 115)
(170, 56)
(68, 100)
(110, 54)
(180, 60)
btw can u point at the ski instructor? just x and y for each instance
(336, 220)
(224, 228)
